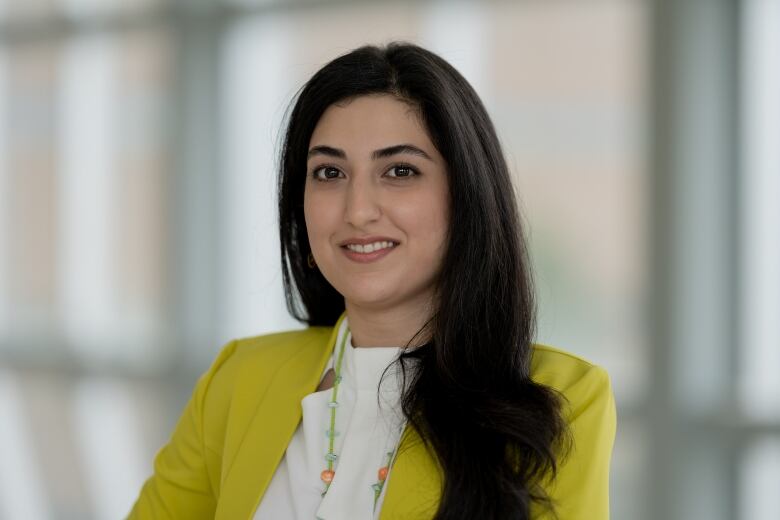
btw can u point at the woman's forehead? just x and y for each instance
(367, 123)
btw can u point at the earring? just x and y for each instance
(310, 260)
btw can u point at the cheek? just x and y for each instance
(436, 226)
(310, 217)
(319, 217)
(426, 217)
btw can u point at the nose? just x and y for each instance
(362, 204)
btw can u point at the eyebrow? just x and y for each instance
(378, 154)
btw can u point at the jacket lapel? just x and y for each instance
(253, 453)
(414, 483)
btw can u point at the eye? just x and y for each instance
(325, 173)
(401, 171)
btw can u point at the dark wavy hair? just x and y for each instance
(496, 434)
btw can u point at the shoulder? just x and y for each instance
(581, 382)
(561, 370)
(271, 350)
(256, 359)
(581, 483)
(279, 342)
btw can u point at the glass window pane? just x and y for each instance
(113, 165)
(253, 100)
(566, 92)
(85, 134)
(29, 181)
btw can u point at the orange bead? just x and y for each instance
(383, 473)
(327, 475)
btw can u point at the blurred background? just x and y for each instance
(138, 227)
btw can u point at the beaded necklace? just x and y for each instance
(329, 473)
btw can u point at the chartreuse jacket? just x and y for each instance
(246, 407)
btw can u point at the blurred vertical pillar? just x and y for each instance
(760, 236)
(194, 263)
(694, 190)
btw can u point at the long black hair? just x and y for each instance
(497, 435)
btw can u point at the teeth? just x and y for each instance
(370, 248)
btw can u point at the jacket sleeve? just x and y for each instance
(581, 488)
(180, 486)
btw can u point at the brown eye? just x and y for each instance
(326, 173)
(401, 171)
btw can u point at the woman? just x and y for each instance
(416, 390)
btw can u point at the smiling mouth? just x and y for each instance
(370, 248)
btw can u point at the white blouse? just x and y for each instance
(366, 434)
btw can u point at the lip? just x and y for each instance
(366, 258)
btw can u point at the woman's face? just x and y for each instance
(376, 203)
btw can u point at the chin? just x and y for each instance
(370, 297)
(371, 301)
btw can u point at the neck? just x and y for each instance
(386, 327)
